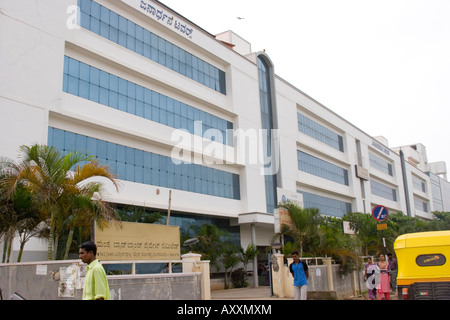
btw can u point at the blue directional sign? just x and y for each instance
(380, 213)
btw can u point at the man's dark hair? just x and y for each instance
(89, 246)
(294, 252)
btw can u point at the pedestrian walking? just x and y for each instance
(384, 286)
(369, 277)
(95, 283)
(393, 266)
(299, 270)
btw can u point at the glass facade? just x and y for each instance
(140, 166)
(96, 85)
(319, 132)
(382, 190)
(114, 27)
(326, 206)
(265, 97)
(318, 167)
(380, 164)
(187, 222)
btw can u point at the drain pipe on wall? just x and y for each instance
(405, 183)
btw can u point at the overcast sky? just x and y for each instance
(383, 65)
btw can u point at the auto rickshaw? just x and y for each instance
(423, 265)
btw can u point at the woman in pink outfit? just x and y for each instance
(384, 285)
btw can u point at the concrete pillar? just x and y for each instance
(327, 262)
(278, 278)
(255, 260)
(206, 282)
(191, 263)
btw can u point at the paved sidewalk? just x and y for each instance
(260, 293)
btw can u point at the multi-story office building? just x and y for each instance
(170, 106)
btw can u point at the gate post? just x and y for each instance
(191, 263)
(327, 262)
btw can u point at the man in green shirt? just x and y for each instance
(95, 284)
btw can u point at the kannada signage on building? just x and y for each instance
(137, 241)
(162, 15)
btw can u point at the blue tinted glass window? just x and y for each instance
(383, 190)
(144, 167)
(319, 132)
(326, 206)
(126, 33)
(380, 164)
(321, 168)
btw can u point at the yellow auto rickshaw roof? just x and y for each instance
(423, 239)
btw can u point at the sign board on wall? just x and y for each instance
(137, 241)
(347, 228)
(362, 173)
(284, 195)
(282, 216)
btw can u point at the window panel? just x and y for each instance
(94, 25)
(121, 170)
(69, 141)
(139, 174)
(382, 190)
(72, 85)
(326, 206)
(104, 96)
(129, 171)
(140, 109)
(104, 30)
(91, 146)
(319, 132)
(102, 149)
(380, 164)
(83, 89)
(58, 139)
(321, 168)
(111, 152)
(94, 93)
(113, 99)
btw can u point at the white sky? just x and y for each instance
(383, 65)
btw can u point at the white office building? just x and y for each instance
(170, 106)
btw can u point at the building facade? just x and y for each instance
(169, 106)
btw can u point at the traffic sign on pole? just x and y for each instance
(380, 213)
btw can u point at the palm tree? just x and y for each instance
(17, 217)
(305, 225)
(230, 258)
(82, 201)
(248, 255)
(366, 231)
(210, 242)
(8, 221)
(45, 172)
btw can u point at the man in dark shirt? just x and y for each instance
(393, 266)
